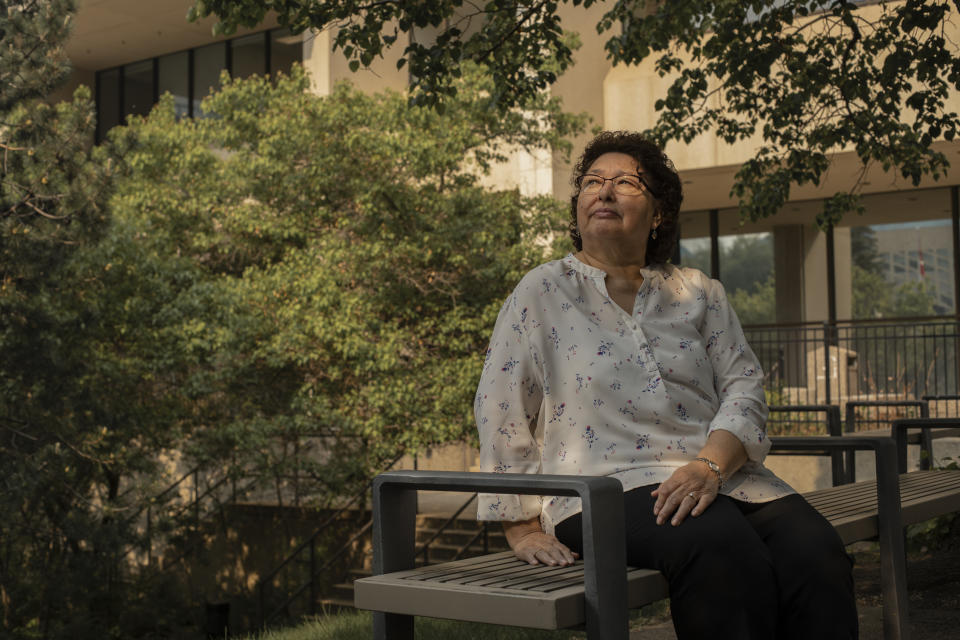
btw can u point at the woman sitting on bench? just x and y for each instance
(614, 362)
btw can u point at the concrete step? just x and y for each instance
(336, 605)
(441, 549)
(495, 538)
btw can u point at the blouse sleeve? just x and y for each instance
(738, 377)
(506, 407)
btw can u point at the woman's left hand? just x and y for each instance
(689, 491)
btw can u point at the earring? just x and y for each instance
(576, 232)
(653, 234)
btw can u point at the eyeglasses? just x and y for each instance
(625, 185)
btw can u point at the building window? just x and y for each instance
(138, 95)
(902, 269)
(108, 101)
(747, 273)
(744, 261)
(248, 56)
(189, 75)
(208, 62)
(695, 252)
(173, 77)
(285, 49)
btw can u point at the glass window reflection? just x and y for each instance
(695, 252)
(173, 77)
(248, 56)
(902, 269)
(138, 88)
(747, 273)
(135, 87)
(285, 49)
(208, 62)
(108, 101)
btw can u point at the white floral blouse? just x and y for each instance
(573, 384)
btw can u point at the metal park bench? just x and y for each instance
(598, 591)
(910, 434)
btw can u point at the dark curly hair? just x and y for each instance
(663, 183)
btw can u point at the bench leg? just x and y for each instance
(394, 529)
(392, 626)
(893, 572)
(926, 450)
(605, 571)
(893, 564)
(837, 474)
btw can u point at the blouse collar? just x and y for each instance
(594, 272)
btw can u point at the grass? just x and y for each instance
(359, 626)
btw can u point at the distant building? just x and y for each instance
(922, 252)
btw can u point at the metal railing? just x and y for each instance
(833, 363)
(811, 419)
(308, 548)
(187, 510)
(425, 546)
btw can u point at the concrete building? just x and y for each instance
(131, 52)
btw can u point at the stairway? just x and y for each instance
(463, 536)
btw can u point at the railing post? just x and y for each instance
(196, 500)
(926, 440)
(296, 472)
(781, 368)
(955, 228)
(233, 478)
(313, 575)
(849, 426)
(149, 538)
(826, 361)
(263, 605)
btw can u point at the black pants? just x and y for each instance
(743, 570)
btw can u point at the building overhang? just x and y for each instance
(709, 187)
(108, 33)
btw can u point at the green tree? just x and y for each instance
(58, 530)
(746, 263)
(871, 293)
(757, 304)
(864, 248)
(340, 270)
(746, 270)
(351, 265)
(875, 297)
(293, 284)
(913, 299)
(809, 77)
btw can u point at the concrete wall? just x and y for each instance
(245, 544)
(77, 78)
(327, 67)
(581, 87)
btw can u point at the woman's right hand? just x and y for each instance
(531, 544)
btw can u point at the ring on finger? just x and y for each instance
(692, 495)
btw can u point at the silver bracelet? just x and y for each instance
(713, 467)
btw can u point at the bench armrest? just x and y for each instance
(898, 431)
(604, 543)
